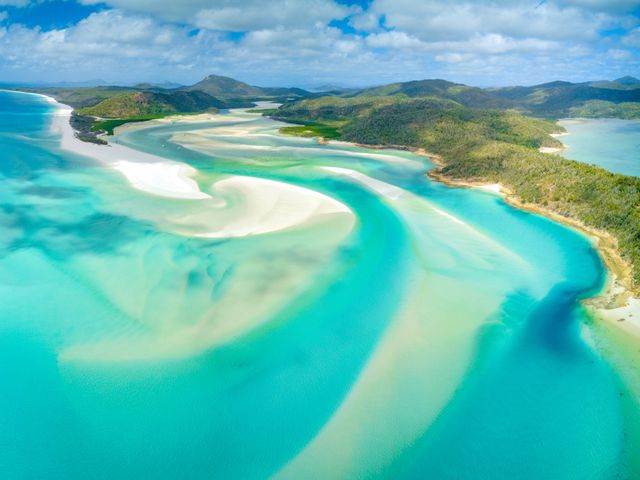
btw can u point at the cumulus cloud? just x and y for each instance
(457, 20)
(14, 3)
(296, 42)
(230, 15)
(632, 39)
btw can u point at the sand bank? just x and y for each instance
(385, 189)
(259, 206)
(145, 172)
(264, 206)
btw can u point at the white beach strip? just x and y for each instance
(550, 149)
(492, 188)
(385, 189)
(145, 172)
(267, 206)
(449, 216)
(626, 316)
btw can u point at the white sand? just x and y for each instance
(627, 316)
(385, 189)
(550, 149)
(493, 188)
(617, 306)
(145, 172)
(555, 149)
(261, 206)
(266, 206)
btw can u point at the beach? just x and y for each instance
(617, 299)
(265, 205)
(272, 206)
(279, 298)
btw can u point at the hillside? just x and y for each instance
(136, 104)
(80, 97)
(565, 99)
(619, 98)
(628, 80)
(488, 146)
(217, 85)
(463, 94)
(231, 89)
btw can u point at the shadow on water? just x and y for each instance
(543, 398)
(96, 233)
(51, 192)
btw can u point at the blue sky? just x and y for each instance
(314, 42)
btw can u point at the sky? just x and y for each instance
(309, 43)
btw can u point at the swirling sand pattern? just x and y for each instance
(289, 310)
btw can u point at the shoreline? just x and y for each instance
(618, 302)
(556, 150)
(267, 206)
(143, 171)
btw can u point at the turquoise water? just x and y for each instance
(433, 333)
(609, 143)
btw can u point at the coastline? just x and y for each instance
(267, 206)
(145, 172)
(617, 299)
(617, 302)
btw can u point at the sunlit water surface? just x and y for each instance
(436, 334)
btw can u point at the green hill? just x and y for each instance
(137, 104)
(463, 94)
(217, 85)
(487, 146)
(565, 99)
(628, 80)
(241, 94)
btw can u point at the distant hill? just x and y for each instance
(228, 88)
(139, 104)
(231, 92)
(218, 85)
(462, 94)
(565, 99)
(79, 97)
(619, 98)
(628, 80)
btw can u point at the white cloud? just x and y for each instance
(618, 54)
(3, 16)
(274, 14)
(230, 15)
(365, 21)
(632, 39)
(290, 42)
(14, 3)
(461, 19)
(394, 39)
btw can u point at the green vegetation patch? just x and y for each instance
(324, 131)
(108, 126)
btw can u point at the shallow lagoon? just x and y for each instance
(437, 335)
